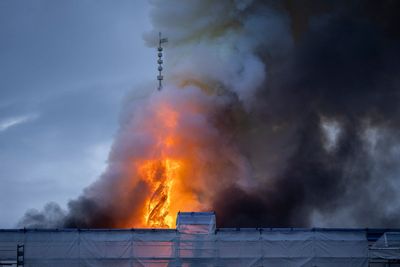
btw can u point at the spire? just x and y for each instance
(160, 61)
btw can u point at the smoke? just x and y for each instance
(286, 114)
(343, 72)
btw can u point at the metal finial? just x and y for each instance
(160, 61)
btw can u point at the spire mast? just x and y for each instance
(160, 62)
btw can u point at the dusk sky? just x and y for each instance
(65, 67)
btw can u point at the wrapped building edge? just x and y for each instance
(195, 242)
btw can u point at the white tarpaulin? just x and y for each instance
(225, 247)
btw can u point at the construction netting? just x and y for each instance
(386, 247)
(224, 247)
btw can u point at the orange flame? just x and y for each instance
(160, 175)
(163, 172)
(169, 172)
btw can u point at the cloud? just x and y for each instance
(8, 123)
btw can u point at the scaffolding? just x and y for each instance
(197, 242)
(158, 247)
(11, 255)
(385, 251)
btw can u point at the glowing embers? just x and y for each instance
(159, 175)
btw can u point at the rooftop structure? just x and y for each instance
(196, 222)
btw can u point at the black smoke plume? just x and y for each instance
(343, 70)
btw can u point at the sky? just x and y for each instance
(65, 68)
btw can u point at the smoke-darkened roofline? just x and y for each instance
(372, 233)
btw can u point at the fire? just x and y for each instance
(163, 171)
(160, 176)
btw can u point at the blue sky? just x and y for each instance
(65, 67)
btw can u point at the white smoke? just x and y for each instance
(219, 42)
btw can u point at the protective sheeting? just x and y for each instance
(386, 247)
(225, 247)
